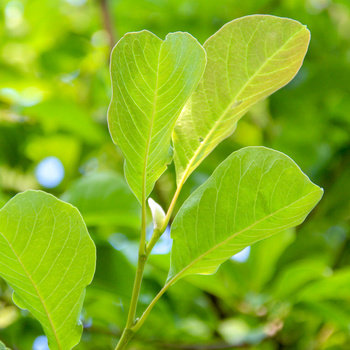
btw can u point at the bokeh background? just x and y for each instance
(291, 291)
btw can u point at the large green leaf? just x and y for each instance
(248, 59)
(48, 258)
(151, 80)
(253, 194)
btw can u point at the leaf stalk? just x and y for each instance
(144, 251)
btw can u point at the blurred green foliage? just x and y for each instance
(293, 292)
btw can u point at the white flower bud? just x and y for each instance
(157, 213)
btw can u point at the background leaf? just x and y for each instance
(248, 59)
(104, 198)
(151, 79)
(253, 194)
(264, 256)
(335, 286)
(48, 258)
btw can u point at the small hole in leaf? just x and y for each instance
(201, 139)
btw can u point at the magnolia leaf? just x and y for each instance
(152, 80)
(48, 258)
(248, 59)
(255, 193)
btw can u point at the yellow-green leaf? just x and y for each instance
(152, 80)
(253, 194)
(248, 59)
(48, 258)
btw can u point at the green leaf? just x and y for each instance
(334, 287)
(248, 59)
(56, 114)
(329, 312)
(48, 258)
(253, 194)
(114, 273)
(151, 80)
(295, 276)
(104, 198)
(263, 259)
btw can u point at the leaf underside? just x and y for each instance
(152, 80)
(253, 194)
(248, 59)
(48, 258)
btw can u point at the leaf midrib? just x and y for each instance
(144, 180)
(36, 289)
(179, 274)
(217, 122)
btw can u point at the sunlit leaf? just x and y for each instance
(253, 194)
(48, 258)
(151, 80)
(248, 59)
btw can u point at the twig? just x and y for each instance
(108, 22)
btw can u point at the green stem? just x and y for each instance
(139, 271)
(144, 251)
(154, 239)
(124, 339)
(157, 233)
(142, 319)
(128, 333)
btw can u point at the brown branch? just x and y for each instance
(108, 22)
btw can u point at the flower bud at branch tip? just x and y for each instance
(158, 213)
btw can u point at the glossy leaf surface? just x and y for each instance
(48, 258)
(253, 194)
